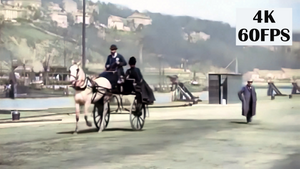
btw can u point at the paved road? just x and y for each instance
(201, 136)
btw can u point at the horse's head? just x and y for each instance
(77, 75)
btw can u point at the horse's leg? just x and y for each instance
(77, 111)
(86, 109)
(103, 122)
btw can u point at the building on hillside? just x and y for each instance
(252, 75)
(118, 23)
(271, 48)
(140, 19)
(10, 13)
(32, 3)
(131, 23)
(263, 75)
(52, 8)
(193, 37)
(273, 74)
(60, 18)
(70, 6)
(292, 73)
(78, 17)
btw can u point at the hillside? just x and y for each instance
(174, 38)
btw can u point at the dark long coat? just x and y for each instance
(111, 64)
(245, 95)
(146, 91)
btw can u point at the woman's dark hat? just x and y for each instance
(113, 47)
(132, 61)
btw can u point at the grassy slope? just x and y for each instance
(34, 36)
(26, 31)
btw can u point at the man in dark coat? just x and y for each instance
(135, 73)
(114, 62)
(248, 97)
(13, 84)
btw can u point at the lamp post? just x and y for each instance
(160, 73)
(83, 36)
(65, 53)
(184, 63)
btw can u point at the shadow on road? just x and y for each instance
(243, 122)
(121, 129)
(238, 122)
(79, 132)
(94, 130)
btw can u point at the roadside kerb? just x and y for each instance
(68, 111)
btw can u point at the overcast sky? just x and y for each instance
(218, 10)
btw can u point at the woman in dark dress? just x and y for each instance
(135, 73)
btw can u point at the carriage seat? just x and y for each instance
(128, 86)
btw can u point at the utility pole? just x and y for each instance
(236, 66)
(160, 73)
(184, 63)
(83, 36)
(65, 50)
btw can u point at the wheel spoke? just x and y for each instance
(133, 118)
(137, 123)
(140, 124)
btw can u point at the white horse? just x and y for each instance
(84, 95)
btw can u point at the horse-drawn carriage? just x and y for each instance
(137, 108)
(100, 92)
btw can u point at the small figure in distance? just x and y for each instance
(247, 95)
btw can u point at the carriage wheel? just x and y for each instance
(98, 113)
(137, 115)
(115, 102)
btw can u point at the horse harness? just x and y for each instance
(78, 88)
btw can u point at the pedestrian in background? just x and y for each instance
(247, 95)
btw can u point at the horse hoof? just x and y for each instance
(75, 133)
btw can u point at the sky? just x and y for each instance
(217, 10)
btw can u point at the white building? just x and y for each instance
(79, 18)
(10, 13)
(60, 19)
(140, 19)
(115, 22)
(70, 6)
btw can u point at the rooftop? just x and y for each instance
(116, 18)
(138, 15)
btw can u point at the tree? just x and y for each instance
(37, 14)
(21, 51)
(70, 19)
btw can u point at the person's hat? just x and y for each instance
(113, 47)
(250, 80)
(132, 60)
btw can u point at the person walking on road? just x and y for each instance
(247, 95)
